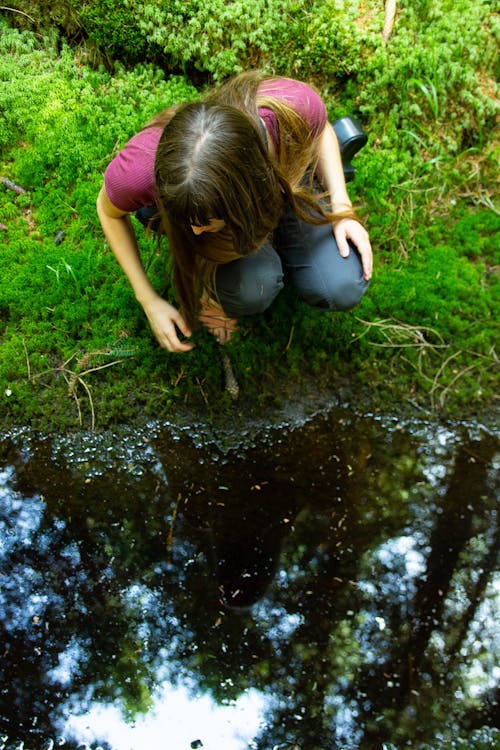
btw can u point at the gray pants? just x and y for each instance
(304, 253)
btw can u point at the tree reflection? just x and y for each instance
(417, 678)
(340, 569)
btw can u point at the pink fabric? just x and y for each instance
(129, 178)
(301, 97)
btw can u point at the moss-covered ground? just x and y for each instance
(76, 349)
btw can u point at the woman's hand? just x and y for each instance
(215, 319)
(165, 321)
(350, 229)
(331, 174)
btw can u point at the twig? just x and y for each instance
(15, 10)
(390, 14)
(27, 359)
(12, 186)
(230, 381)
(179, 376)
(100, 367)
(418, 407)
(89, 396)
(72, 378)
(203, 393)
(388, 327)
(62, 368)
(289, 342)
(435, 382)
(418, 370)
(481, 199)
(444, 392)
(72, 393)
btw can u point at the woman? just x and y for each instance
(231, 181)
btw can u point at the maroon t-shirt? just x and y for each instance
(129, 178)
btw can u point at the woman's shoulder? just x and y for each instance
(292, 92)
(141, 147)
(298, 95)
(129, 178)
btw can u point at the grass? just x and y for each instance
(76, 349)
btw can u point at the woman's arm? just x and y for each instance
(331, 174)
(163, 317)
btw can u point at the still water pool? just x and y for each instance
(331, 582)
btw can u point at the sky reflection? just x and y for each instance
(177, 717)
(330, 586)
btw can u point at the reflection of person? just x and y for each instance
(225, 177)
(244, 556)
(243, 505)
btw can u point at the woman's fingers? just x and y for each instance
(350, 229)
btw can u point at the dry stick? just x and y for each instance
(179, 376)
(16, 10)
(27, 359)
(444, 364)
(78, 378)
(289, 342)
(100, 367)
(387, 327)
(200, 386)
(444, 393)
(390, 14)
(12, 186)
(230, 381)
(92, 412)
(72, 393)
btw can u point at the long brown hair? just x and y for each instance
(212, 163)
(298, 150)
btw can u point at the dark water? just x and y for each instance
(323, 585)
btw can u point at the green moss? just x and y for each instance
(76, 347)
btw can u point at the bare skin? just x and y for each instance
(331, 175)
(165, 320)
(215, 225)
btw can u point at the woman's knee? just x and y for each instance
(332, 282)
(248, 286)
(256, 295)
(341, 295)
(346, 295)
(322, 276)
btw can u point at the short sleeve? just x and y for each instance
(301, 97)
(129, 178)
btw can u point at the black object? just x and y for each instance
(149, 217)
(351, 138)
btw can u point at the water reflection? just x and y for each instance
(326, 585)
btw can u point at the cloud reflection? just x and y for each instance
(177, 720)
